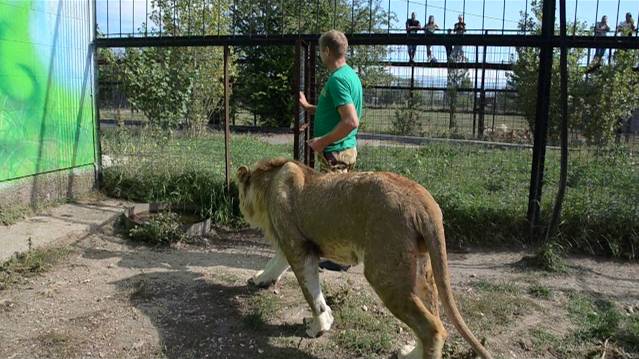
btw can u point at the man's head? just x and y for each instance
(333, 45)
(412, 16)
(628, 17)
(460, 18)
(604, 19)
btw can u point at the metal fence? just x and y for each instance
(414, 105)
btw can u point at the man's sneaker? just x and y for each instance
(332, 266)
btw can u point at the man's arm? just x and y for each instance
(348, 122)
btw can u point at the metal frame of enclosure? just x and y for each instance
(306, 46)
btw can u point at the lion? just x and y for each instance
(387, 222)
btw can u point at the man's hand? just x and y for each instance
(304, 103)
(317, 144)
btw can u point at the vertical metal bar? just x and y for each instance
(370, 16)
(334, 14)
(616, 23)
(227, 128)
(283, 29)
(464, 10)
(146, 17)
(541, 116)
(475, 90)
(444, 14)
(495, 99)
(526, 18)
(132, 17)
(174, 17)
(503, 18)
(219, 19)
(352, 18)
(388, 22)
(107, 18)
(574, 24)
(120, 7)
(188, 26)
(298, 150)
(312, 96)
(483, 15)
(482, 95)
(307, 90)
(96, 104)
(299, 17)
(161, 19)
(563, 64)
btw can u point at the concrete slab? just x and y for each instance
(67, 222)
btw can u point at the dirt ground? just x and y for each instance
(111, 298)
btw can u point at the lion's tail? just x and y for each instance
(433, 234)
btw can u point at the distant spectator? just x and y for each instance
(459, 29)
(430, 29)
(627, 27)
(412, 26)
(601, 29)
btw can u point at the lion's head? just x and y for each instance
(252, 186)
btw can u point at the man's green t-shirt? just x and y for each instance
(343, 87)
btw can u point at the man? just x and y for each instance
(412, 26)
(337, 113)
(627, 27)
(459, 29)
(601, 29)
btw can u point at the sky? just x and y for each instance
(126, 15)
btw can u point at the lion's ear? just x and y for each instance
(243, 174)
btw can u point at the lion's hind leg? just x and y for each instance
(401, 288)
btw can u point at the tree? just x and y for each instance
(408, 119)
(265, 73)
(457, 78)
(608, 99)
(178, 86)
(526, 73)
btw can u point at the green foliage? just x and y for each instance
(408, 118)
(179, 86)
(457, 78)
(161, 229)
(598, 319)
(29, 263)
(265, 73)
(482, 192)
(609, 98)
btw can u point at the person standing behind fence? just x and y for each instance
(627, 27)
(412, 26)
(430, 29)
(459, 29)
(337, 113)
(601, 29)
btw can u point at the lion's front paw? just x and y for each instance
(410, 352)
(260, 281)
(317, 326)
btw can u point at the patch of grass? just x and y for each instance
(361, 328)
(598, 319)
(262, 308)
(494, 306)
(29, 264)
(549, 258)
(543, 340)
(11, 215)
(539, 291)
(162, 229)
(483, 192)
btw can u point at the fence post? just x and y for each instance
(541, 117)
(227, 128)
(298, 113)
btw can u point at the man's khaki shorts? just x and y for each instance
(337, 162)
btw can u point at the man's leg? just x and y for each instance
(338, 162)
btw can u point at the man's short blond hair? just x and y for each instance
(335, 41)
